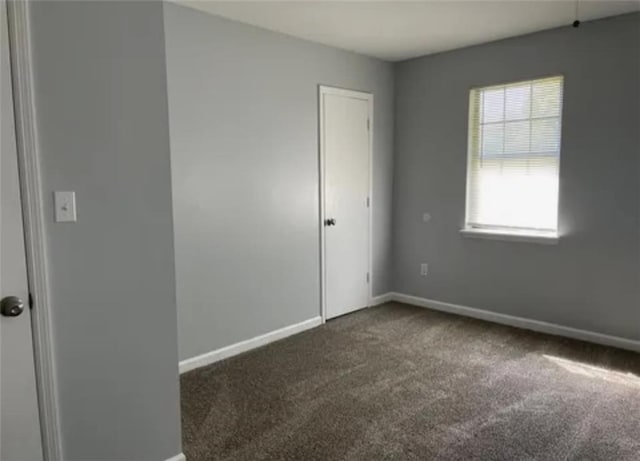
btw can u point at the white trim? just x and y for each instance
(178, 457)
(243, 346)
(325, 90)
(381, 299)
(33, 216)
(546, 238)
(345, 92)
(519, 322)
(323, 291)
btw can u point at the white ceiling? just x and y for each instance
(397, 30)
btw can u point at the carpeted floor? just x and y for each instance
(403, 383)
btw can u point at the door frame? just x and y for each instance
(33, 215)
(362, 95)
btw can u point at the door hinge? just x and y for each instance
(368, 202)
(368, 277)
(368, 124)
(30, 301)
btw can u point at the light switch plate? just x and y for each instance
(65, 206)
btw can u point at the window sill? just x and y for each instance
(545, 238)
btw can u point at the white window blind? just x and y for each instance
(514, 156)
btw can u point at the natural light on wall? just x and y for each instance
(514, 157)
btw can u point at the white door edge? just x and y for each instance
(33, 216)
(330, 90)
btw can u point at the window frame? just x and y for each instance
(507, 233)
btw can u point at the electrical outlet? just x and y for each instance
(426, 217)
(424, 269)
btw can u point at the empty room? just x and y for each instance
(320, 230)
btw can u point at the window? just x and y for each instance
(514, 159)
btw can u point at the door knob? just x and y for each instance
(11, 306)
(330, 222)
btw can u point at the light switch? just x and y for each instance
(65, 206)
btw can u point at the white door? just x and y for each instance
(19, 423)
(345, 150)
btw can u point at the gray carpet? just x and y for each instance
(403, 383)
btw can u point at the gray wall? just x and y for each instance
(244, 147)
(590, 279)
(102, 114)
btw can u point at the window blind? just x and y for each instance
(514, 156)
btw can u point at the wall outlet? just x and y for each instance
(424, 269)
(426, 217)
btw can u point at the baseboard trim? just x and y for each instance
(178, 457)
(243, 346)
(520, 322)
(381, 299)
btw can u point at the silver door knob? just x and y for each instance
(11, 306)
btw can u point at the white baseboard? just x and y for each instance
(377, 300)
(178, 457)
(243, 346)
(528, 324)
